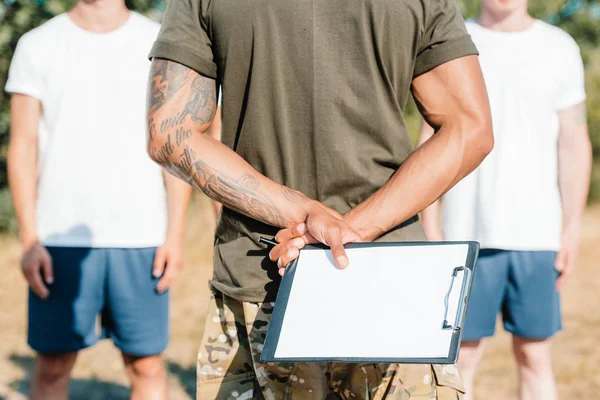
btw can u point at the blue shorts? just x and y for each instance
(519, 284)
(115, 284)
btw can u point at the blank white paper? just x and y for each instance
(389, 303)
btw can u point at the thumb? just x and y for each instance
(333, 237)
(160, 260)
(561, 261)
(48, 270)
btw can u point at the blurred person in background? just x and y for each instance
(526, 201)
(101, 226)
(315, 142)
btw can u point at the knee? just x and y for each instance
(533, 356)
(470, 353)
(54, 368)
(145, 368)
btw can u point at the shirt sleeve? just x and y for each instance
(25, 74)
(183, 38)
(572, 82)
(444, 37)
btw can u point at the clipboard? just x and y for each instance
(309, 323)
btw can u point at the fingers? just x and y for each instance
(288, 234)
(564, 268)
(286, 252)
(333, 238)
(288, 257)
(168, 277)
(562, 278)
(171, 272)
(35, 282)
(560, 262)
(160, 261)
(46, 263)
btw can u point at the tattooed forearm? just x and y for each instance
(294, 196)
(182, 103)
(241, 195)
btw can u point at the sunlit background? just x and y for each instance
(99, 372)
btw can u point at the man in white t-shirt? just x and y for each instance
(97, 236)
(525, 203)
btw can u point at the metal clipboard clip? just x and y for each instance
(461, 301)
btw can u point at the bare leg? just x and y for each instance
(148, 377)
(536, 380)
(51, 376)
(470, 355)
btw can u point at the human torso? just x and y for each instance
(97, 186)
(320, 89)
(512, 200)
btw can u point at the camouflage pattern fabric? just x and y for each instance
(229, 367)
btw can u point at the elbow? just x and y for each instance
(479, 140)
(160, 149)
(485, 141)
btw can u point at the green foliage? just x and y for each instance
(16, 18)
(578, 17)
(581, 19)
(8, 222)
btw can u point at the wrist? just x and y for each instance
(28, 239)
(367, 232)
(304, 206)
(573, 226)
(175, 236)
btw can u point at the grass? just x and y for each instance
(99, 372)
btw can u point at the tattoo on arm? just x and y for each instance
(181, 103)
(294, 196)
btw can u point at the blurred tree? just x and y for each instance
(16, 18)
(581, 18)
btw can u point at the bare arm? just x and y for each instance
(179, 195)
(214, 131)
(168, 259)
(181, 106)
(453, 100)
(432, 215)
(574, 169)
(22, 162)
(182, 103)
(25, 114)
(574, 164)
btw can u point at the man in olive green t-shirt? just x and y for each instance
(315, 144)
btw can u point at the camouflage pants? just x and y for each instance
(229, 367)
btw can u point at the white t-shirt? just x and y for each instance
(512, 200)
(97, 187)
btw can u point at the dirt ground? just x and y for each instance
(99, 372)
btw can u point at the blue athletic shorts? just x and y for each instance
(115, 284)
(519, 284)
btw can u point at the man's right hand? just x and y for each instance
(36, 260)
(322, 225)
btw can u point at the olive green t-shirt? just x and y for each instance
(313, 97)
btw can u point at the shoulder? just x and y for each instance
(38, 38)
(557, 37)
(145, 24)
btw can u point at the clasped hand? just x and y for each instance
(321, 225)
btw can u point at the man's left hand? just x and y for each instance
(167, 263)
(567, 255)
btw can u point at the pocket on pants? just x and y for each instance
(449, 384)
(231, 387)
